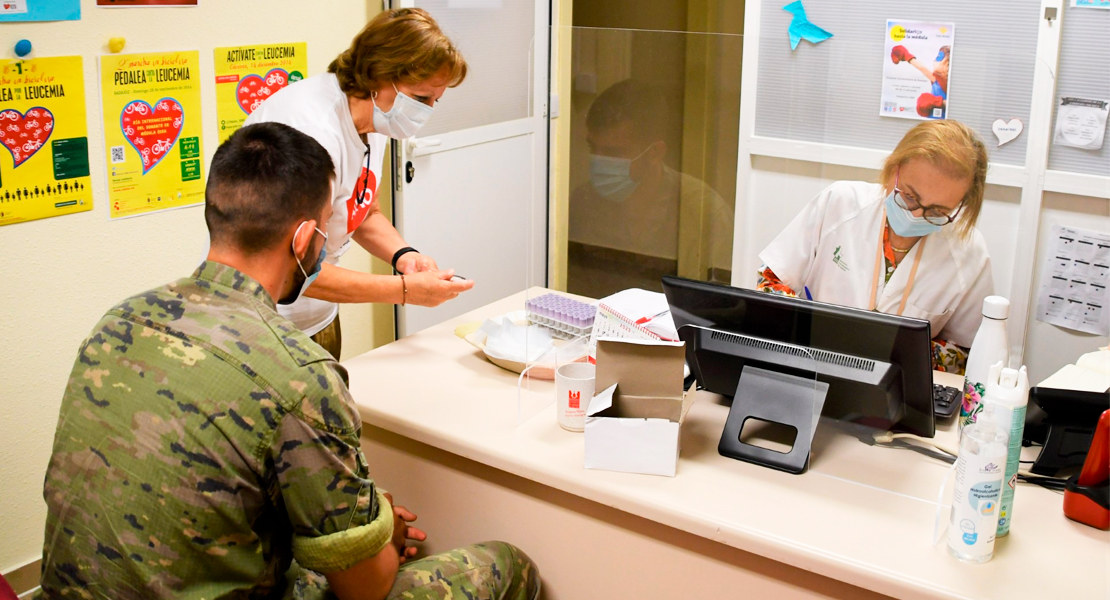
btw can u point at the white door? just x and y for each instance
(471, 189)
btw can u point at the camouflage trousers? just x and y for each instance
(486, 571)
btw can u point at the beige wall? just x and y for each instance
(59, 275)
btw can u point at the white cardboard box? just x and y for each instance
(633, 422)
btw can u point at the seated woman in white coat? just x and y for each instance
(905, 246)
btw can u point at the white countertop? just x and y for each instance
(861, 514)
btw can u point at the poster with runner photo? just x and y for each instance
(916, 69)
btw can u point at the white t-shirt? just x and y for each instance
(318, 108)
(830, 247)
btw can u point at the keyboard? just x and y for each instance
(946, 400)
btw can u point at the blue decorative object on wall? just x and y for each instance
(802, 29)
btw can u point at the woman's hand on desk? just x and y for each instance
(432, 288)
(402, 531)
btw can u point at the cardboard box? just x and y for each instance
(633, 422)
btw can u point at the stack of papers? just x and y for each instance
(1091, 373)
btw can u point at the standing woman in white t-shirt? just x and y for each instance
(905, 246)
(384, 86)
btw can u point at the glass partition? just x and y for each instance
(662, 180)
(652, 173)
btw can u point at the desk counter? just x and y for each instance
(863, 515)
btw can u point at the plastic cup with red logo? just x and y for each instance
(574, 388)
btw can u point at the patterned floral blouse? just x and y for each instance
(947, 357)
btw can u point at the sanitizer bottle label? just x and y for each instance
(975, 504)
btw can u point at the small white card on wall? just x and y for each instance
(1075, 280)
(1081, 123)
(1007, 131)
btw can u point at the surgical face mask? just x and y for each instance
(308, 277)
(904, 223)
(403, 120)
(612, 176)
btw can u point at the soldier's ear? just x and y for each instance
(302, 237)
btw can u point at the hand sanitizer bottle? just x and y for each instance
(989, 347)
(980, 468)
(1007, 398)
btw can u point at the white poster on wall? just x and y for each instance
(916, 69)
(1081, 123)
(1075, 280)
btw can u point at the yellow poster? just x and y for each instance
(152, 131)
(44, 163)
(247, 75)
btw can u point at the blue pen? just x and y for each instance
(809, 296)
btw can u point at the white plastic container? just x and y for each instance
(989, 347)
(980, 469)
(1006, 401)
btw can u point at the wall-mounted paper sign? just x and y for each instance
(247, 75)
(44, 144)
(1075, 280)
(1007, 131)
(1081, 123)
(40, 10)
(126, 3)
(152, 130)
(917, 59)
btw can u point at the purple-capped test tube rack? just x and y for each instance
(566, 317)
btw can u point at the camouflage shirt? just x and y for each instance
(203, 443)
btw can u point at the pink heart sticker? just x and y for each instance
(254, 89)
(24, 134)
(152, 131)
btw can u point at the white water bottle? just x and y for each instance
(1006, 400)
(980, 468)
(989, 347)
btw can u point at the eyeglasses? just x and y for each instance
(936, 215)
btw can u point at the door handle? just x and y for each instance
(414, 144)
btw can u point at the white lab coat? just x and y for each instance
(830, 248)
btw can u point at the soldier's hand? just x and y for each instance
(403, 532)
(432, 288)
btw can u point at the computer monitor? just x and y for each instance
(878, 366)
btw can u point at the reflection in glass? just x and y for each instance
(646, 143)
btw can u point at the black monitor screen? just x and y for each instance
(896, 348)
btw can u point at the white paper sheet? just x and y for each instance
(1081, 123)
(1075, 280)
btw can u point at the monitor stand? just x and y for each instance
(775, 398)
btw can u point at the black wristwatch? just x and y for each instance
(403, 251)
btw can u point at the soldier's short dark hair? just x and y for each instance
(637, 102)
(263, 179)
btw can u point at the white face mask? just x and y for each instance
(403, 120)
(612, 176)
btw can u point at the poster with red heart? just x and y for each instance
(44, 147)
(247, 75)
(126, 3)
(152, 131)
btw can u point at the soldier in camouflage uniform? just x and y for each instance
(208, 449)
